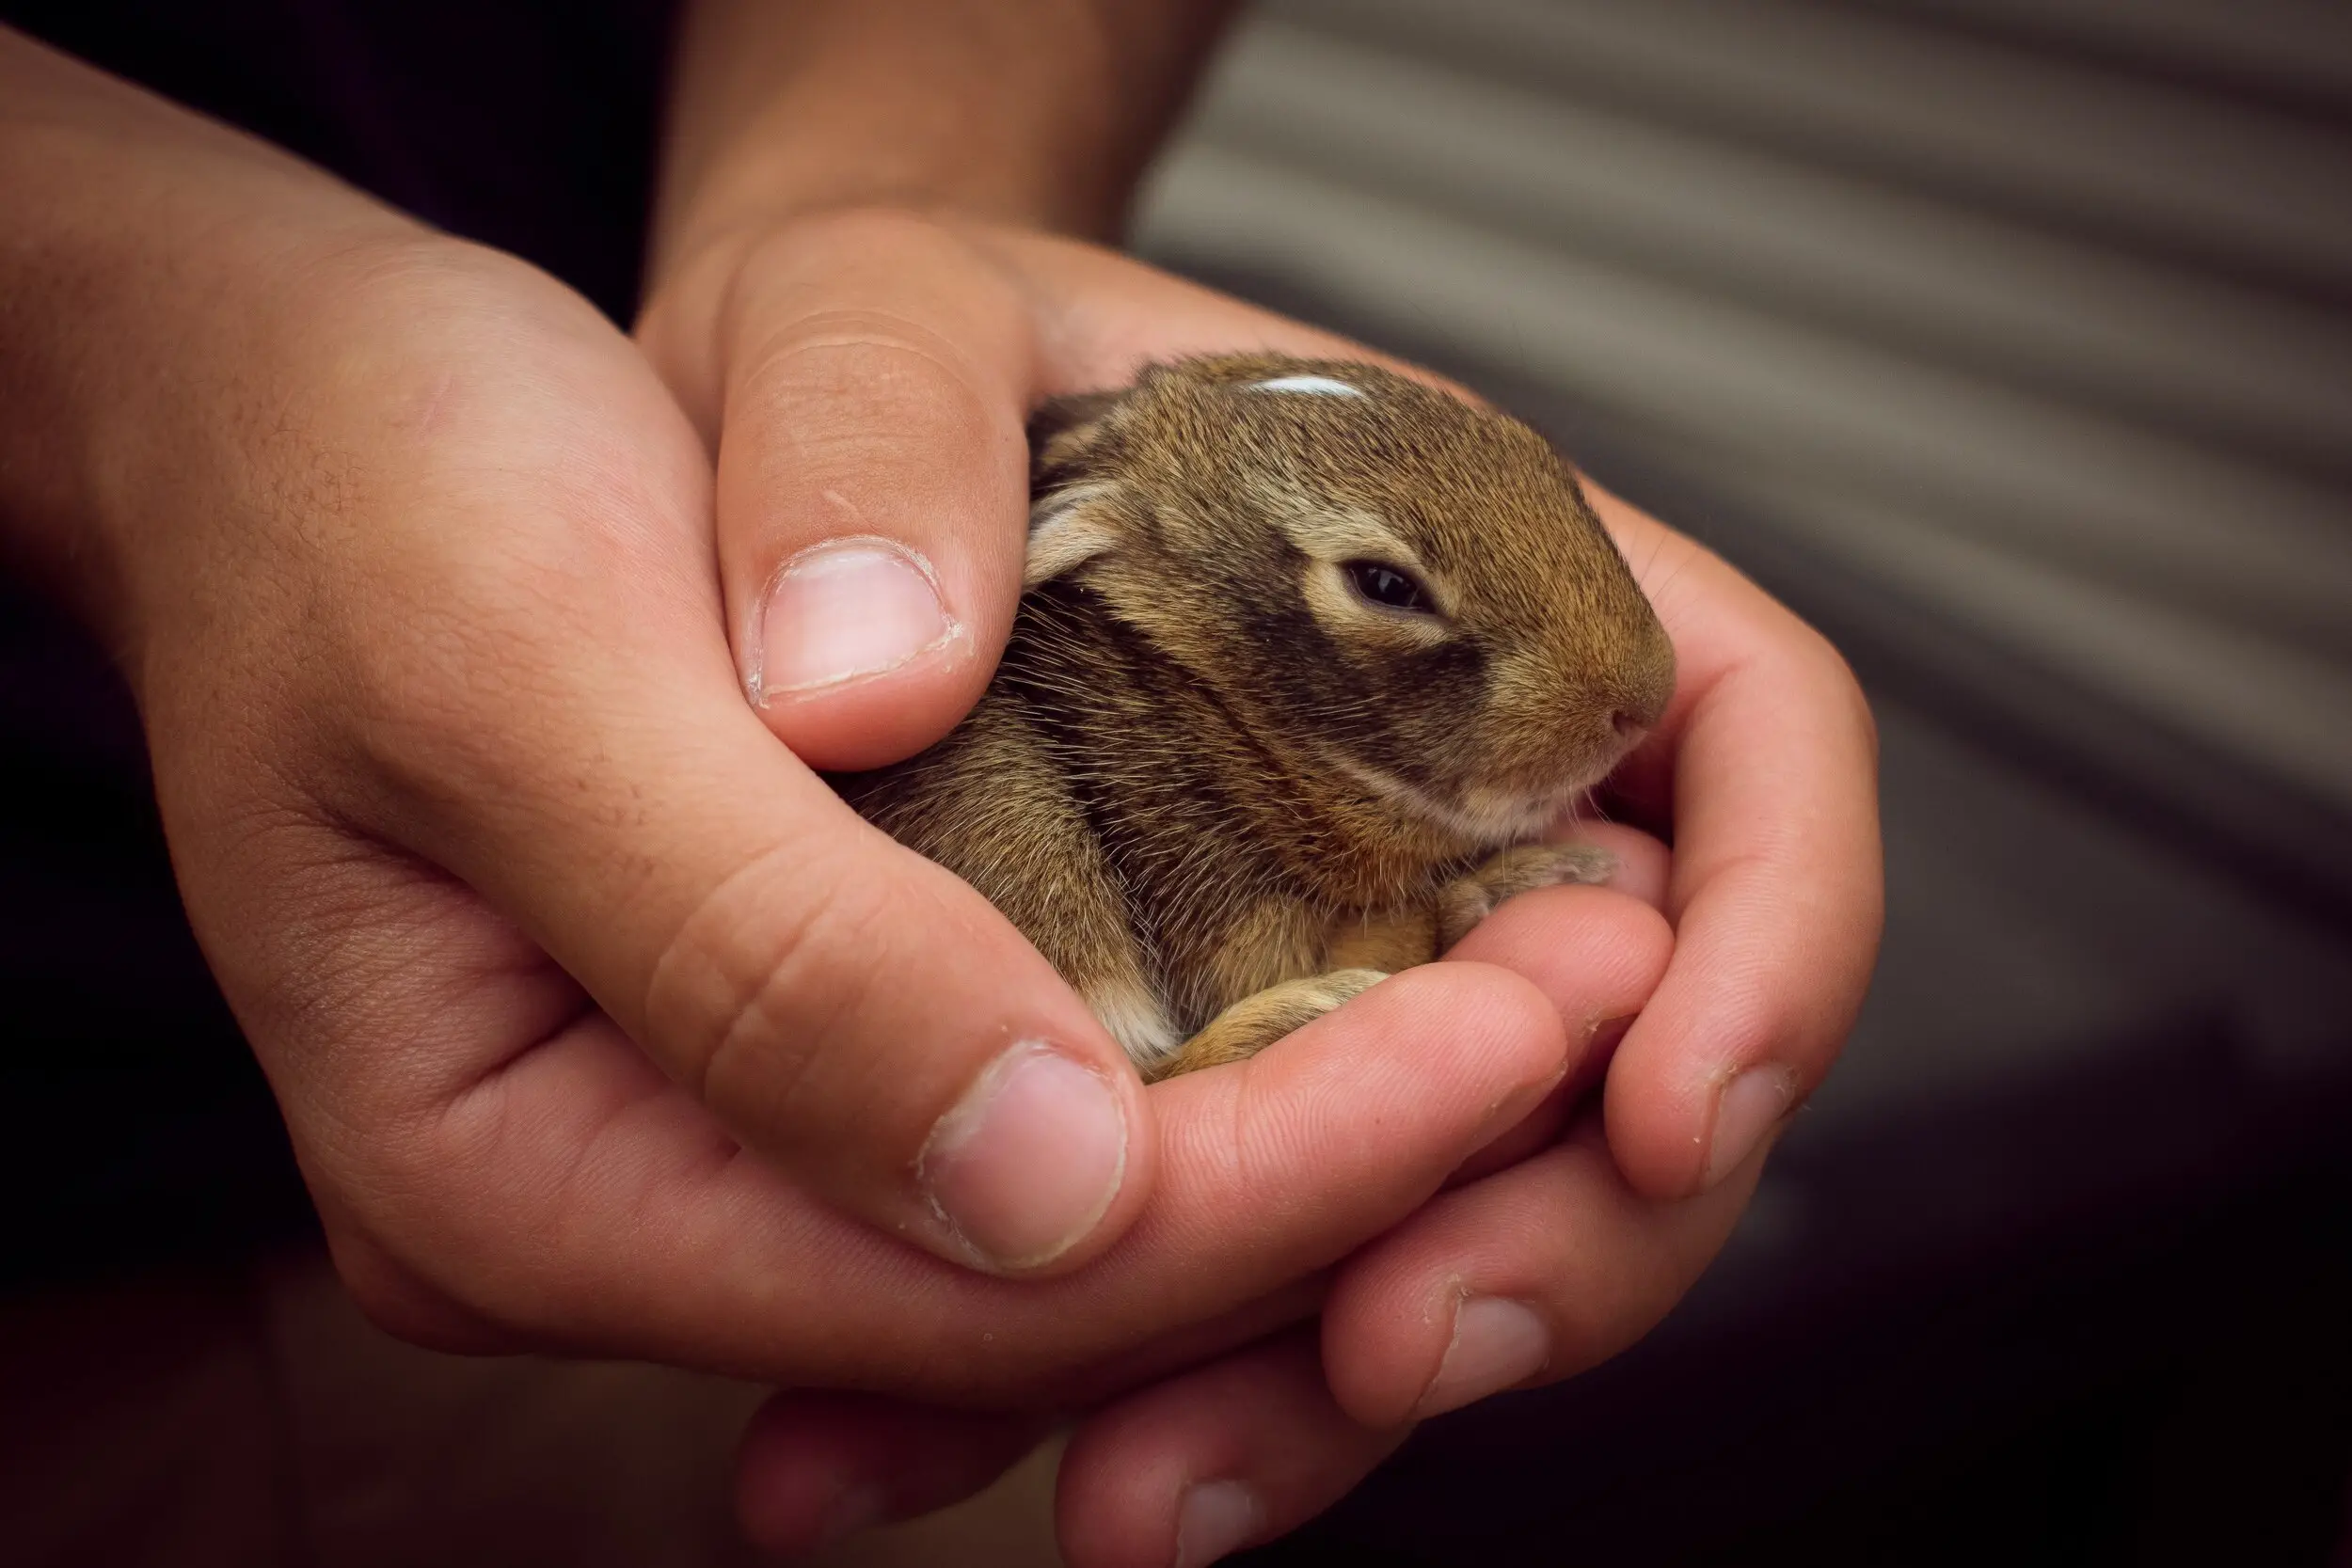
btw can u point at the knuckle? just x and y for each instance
(870, 304)
(851, 253)
(863, 378)
(413, 1262)
(489, 1224)
(1862, 717)
(871, 229)
(763, 978)
(1835, 675)
(433, 673)
(401, 1303)
(423, 707)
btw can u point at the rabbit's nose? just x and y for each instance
(1640, 709)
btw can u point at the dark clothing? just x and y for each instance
(528, 126)
(136, 1124)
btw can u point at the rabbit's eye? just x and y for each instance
(1388, 587)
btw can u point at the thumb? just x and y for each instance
(873, 480)
(567, 740)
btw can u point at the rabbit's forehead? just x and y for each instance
(1367, 470)
(1328, 523)
(1448, 517)
(1453, 523)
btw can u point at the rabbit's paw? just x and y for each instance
(1256, 1021)
(1464, 901)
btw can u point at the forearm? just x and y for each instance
(1036, 111)
(141, 244)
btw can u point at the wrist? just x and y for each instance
(146, 251)
(1038, 113)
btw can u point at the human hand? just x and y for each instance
(1762, 772)
(1557, 1255)
(407, 555)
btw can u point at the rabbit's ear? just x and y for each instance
(1062, 416)
(1062, 432)
(1068, 528)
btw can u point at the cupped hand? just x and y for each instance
(597, 1018)
(596, 1021)
(863, 378)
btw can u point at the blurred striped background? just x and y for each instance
(2009, 338)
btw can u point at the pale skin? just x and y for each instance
(441, 598)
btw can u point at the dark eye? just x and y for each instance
(1386, 586)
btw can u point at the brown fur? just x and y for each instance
(1220, 789)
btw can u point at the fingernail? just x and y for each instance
(857, 1509)
(1750, 1105)
(1027, 1164)
(1496, 1343)
(846, 609)
(1215, 1518)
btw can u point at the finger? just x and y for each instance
(872, 482)
(1597, 955)
(1766, 764)
(815, 1467)
(873, 490)
(1219, 1458)
(1272, 1169)
(576, 1198)
(1644, 866)
(1532, 1275)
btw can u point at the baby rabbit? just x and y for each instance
(1309, 651)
